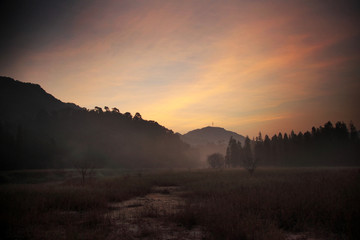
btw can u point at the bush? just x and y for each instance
(216, 160)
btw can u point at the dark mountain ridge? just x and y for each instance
(20, 100)
(39, 131)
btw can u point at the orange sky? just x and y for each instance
(247, 66)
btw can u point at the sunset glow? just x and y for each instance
(247, 66)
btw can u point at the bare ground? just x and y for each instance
(149, 217)
(307, 236)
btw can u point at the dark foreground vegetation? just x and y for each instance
(232, 205)
(227, 204)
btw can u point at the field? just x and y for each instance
(301, 203)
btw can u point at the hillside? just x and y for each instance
(210, 135)
(210, 140)
(19, 100)
(39, 131)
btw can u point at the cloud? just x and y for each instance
(243, 64)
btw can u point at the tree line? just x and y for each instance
(236, 156)
(327, 145)
(103, 136)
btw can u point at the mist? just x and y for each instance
(57, 135)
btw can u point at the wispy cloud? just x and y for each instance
(245, 65)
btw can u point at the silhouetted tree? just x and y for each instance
(354, 135)
(259, 149)
(87, 162)
(267, 150)
(98, 110)
(233, 153)
(137, 116)
(85, 167)
(115, 110)
(216, 160)
(249, 161)
(128, 115)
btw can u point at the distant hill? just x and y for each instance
(209, 140)
(19, 100)
(210, 135)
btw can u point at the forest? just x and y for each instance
(104, 138)
(38, 131)
(326, 145)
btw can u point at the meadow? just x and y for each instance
(273, 203)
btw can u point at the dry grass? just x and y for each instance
(233, 205)
(228, 204)
(63, 211)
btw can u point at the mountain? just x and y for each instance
(19, 100)
(210, 135)
(209, 140)
(39, 131)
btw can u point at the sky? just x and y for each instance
(247, 66)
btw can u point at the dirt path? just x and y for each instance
(303, 236)
(149, 217)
